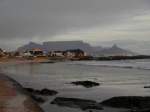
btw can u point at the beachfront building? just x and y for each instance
(1, 52)
(56, 54)
(36, 52)
(74, 53)
(27, 54)
(68, 54)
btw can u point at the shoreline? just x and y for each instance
(18, 60)
(45, 59)
(12, 96)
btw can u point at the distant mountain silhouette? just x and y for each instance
(115, 50)
(30, 46)
(140, 46)
(58, 45)
(65, 45)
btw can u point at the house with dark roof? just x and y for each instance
(1, 52)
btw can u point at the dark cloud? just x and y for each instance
(25, 19)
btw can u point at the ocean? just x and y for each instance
(116, 78)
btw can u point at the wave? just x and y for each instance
(116, 64)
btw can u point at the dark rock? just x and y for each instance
(146, 86)
(77, 103)
(40, 95)
(130, 102)
(48, 92)
(38, 99)
(43, 92)
(29, 90)
(87, 84)
(140, 110)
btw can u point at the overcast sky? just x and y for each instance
(93, 21)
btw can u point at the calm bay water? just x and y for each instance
(109, 73)
(117, 78)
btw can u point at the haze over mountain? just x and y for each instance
(115, 50)
(58, 46)
(142, 47)
(65, 45)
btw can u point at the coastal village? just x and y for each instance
(37, 97)
(39, 54)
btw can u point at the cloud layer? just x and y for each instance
(90, 20)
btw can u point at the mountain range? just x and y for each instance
(140, 46)
(65, 45)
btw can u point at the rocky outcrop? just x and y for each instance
(146, 86)
(87, 84)
(83, 104)
(40, 96)
(116, 51)
(134, 103)
(43, 92)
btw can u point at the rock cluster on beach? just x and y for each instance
(127, 103)
(45, 92)
(40, 95)
(146, 86)
(134, 103)
(87, 84)
(83, 104)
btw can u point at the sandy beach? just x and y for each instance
(21, 60)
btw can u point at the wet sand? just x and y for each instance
(13, 98)
(15, 60)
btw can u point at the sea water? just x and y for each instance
(116, 78)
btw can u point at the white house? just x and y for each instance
(56, 54)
